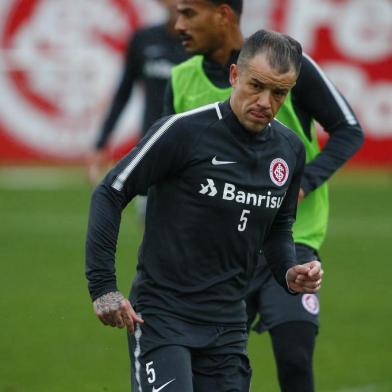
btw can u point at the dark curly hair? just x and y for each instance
(236, 5)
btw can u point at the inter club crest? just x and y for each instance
(279, 171)
(311, 303)
(59, 63)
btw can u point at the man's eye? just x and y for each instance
(280, 94)
(185, 13)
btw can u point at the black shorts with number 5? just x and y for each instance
(172, 355)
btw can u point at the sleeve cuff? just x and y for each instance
(306, 186)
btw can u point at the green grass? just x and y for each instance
(51, 341)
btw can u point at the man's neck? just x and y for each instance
(222, 55)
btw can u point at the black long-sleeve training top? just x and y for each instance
(151, 53)
(217, 194)
(314, 97)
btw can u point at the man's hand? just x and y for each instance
(301, 195)
(305, 278)
(115, 310)
(94, 165)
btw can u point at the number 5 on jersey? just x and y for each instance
(243, 220)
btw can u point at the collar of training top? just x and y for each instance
(239, 130)
(211, 65)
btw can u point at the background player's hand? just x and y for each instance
(301, 195)
(95, 163)
(305, 278)
(115, 310)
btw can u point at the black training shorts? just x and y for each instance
(172, 355)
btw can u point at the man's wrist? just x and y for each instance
(287, 283)
(98, 292)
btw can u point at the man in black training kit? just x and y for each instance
(210, 29)
(151, 53)
(223, 184)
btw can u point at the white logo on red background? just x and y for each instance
(55, 86)
(311, 303)
(279, 171)
(351, 41)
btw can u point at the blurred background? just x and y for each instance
(60, 61)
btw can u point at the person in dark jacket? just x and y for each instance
(210, 30)
(223, 183)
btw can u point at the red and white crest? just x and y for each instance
(311, 303)
(59, 64)
(279, 171)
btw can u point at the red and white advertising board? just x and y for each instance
(352, 41)
(60, 62)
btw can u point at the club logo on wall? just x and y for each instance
(58, 65)
(60, 61)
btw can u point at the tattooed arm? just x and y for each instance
(115, 310)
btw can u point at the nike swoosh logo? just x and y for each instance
(162, 386)
(216, 162)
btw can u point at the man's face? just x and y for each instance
(258, 92)
(199, 24)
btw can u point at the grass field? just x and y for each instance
(51, 341)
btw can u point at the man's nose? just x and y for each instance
(264, 98)
(179, 25)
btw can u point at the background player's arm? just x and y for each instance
(131, 72)
(315, 95)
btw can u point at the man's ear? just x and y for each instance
(234, 73)
(227, 14)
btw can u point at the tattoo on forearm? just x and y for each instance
(108, 302)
